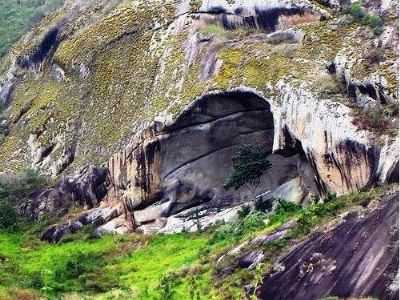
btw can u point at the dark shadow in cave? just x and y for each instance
(196, 150)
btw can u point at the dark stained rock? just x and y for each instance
(358, 258)
(87, 188)
(184, 164)
(251, 259)
(96, 217)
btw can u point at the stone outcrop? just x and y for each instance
(268, 16)
(176, 165)
(96, 217)
(184, 164)
(344, 157)
(86, 189)
(203, 78)
(358, 258)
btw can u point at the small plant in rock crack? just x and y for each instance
(197, 219)
(258, 277)
(249, 164)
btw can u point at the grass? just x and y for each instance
(177, 266)
(94, 266)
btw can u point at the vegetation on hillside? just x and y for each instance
(13, 190)
(361, 15)
(178, 266)
(17, 17)
(249, 164)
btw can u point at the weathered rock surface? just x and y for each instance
(185, 163)
(358, 258)
(203, 78)
(87, 188)
(98, 217)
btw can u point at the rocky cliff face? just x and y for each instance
(358, 258)
(136, 108)
(160, 94)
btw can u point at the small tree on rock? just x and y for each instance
(249, 164)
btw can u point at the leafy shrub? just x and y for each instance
(287, 206)
(361, 16)
(310, 216)
(167, 284)
(263, 205)
(249, 164)
(357, 11)
(15, 188)
(63, 274)
(236, 230)
(8, 216)
(283, 210)
(253, 222)
(372, 20)
(244, 211)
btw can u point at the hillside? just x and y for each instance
(199, 150)
(17, 17)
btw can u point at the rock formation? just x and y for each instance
(165, 93)
(358, 258)
(156, 96)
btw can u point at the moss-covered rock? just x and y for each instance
(124, 64)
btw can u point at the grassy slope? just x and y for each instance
(179, 266)
(17, 17)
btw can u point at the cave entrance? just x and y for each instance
(196, 151)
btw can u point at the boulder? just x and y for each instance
(86, 188)
(358, 258)
(115, 226)
(251, 260)
(95, 217)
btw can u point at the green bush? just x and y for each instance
(244, 211)
(8, 216)
(15, 188)
(373, 21)
(235, 231)
(167, 284)
(361, 16)
(283, 210)
(249, 164)
(357, 11)
(311, 216)
(263, 205)
(253, 222)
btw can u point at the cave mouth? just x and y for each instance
(196, 150)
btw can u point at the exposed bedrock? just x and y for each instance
(170, 177)
(86, 189)
(266, 16)
(175, 167)
(358, 258)
(344, 158)
(185, 164)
